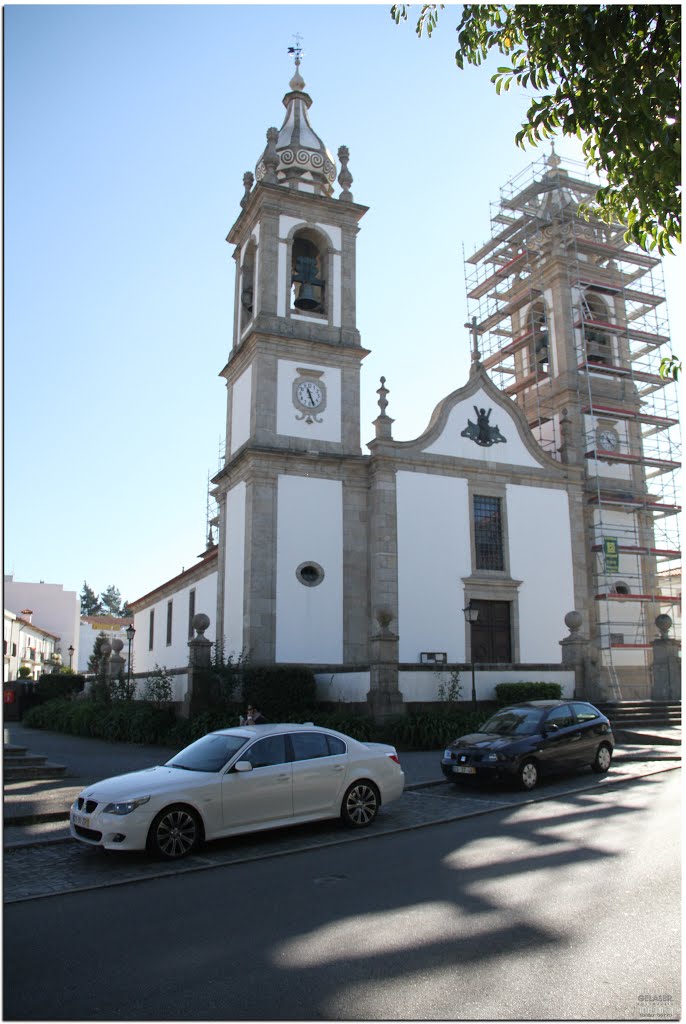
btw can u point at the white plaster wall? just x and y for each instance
(309, 620)
(234, 584)
(88, 633)
(241, 400)
(421, 686)
(342, 686)
(175, 654)
(539, 530)
(450, 442)
(433, 556)
(286, 413)
(55, 609)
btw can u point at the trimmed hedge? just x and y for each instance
(514, 693)
(51, 685)
(141, 722)
(280, 692)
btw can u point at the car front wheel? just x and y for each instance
(360, 805)
(527, 776)
(603, 759)
(174, 833)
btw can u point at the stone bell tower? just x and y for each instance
(293, 407)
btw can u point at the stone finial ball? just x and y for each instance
(105, 649)
(117, 645)
(663, 623)
(201, 622)
(573, 621)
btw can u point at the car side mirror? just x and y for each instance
(551, 727)
(242, 766)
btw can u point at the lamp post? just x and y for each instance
(471, 614)
(70, 652)
(130, 633)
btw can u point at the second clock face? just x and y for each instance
(608, 440)
(309, 394)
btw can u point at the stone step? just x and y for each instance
(22, 760)
(12, 749)
(47, 770)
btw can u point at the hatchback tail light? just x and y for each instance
(394, 757)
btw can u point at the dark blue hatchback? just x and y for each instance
(523, 741)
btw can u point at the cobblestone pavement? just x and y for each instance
(68, 866)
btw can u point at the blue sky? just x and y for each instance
(127, 132)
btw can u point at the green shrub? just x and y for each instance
(360, 727)
(159, 688)
(25, 672)
(59, 684)
(514, 693)
(429, 730)
(279, 691)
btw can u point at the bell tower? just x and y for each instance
(293, 386)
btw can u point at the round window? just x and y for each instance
(310, 574)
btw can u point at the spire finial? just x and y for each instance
(553, 160)
(383, 422)
(345, 178)
(297, 83)
(476, 355)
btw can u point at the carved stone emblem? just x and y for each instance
(482, 432)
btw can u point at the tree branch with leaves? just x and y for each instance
(609, 74)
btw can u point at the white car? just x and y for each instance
(239, 780)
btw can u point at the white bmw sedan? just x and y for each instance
(239, 780)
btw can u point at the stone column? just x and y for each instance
(203, 687)
(666, 669)
(117, 668)
(576, 654)
(384, 697)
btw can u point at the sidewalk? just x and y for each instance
(36, 811)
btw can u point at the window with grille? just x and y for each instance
(191, 613)
(488, 533)
(170, 605)
(151, 633)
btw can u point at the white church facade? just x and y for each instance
(361, 562)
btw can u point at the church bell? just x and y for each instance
(306, 299)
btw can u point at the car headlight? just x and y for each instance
(448, 755)
(125, 806)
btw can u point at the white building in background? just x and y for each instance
(58, 610)
(113, 626)
(26, 645)
(163, 618)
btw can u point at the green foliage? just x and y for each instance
(130, 721)
(25, 672)
(279, 691)
(111, 600)
(59, 684)
(449, 689)
(96, 654)
(609, 74)
(360, 727)
(90, 602)
(159, 688)
(430, 730)
(513, 693)
(670, 367)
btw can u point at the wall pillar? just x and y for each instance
(576, 655)
(384, 697)
(203, 687)
(666, 669)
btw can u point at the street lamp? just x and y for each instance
(70, 652)
(130, 633)
(471, 614)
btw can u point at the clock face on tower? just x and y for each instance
(608, 439)
(309, 395)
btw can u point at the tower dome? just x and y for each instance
(297, 155)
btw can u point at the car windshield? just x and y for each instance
(208, 754)
(513, 722)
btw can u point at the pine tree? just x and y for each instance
(96, 656)
(111, 600)
(90, 602)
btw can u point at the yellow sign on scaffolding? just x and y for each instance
(611, 552)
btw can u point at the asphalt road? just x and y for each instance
(564, 909)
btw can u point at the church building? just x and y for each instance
(377, 563)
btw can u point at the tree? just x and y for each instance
(90, 602)
(111, 600)
(96, 655)
(607, 73)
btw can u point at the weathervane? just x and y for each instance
(297, 50)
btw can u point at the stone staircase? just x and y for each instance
(18, 765)
(635, 714)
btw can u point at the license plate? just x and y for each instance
(463, 770)
(82, 820)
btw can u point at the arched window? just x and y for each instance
(247, 287)
(308, 272)
(539, 345)
(597, 338)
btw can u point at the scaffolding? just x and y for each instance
(573, 325)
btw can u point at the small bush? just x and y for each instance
(514, 693)
(25, 672)
(159, 688)
(59, 684)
